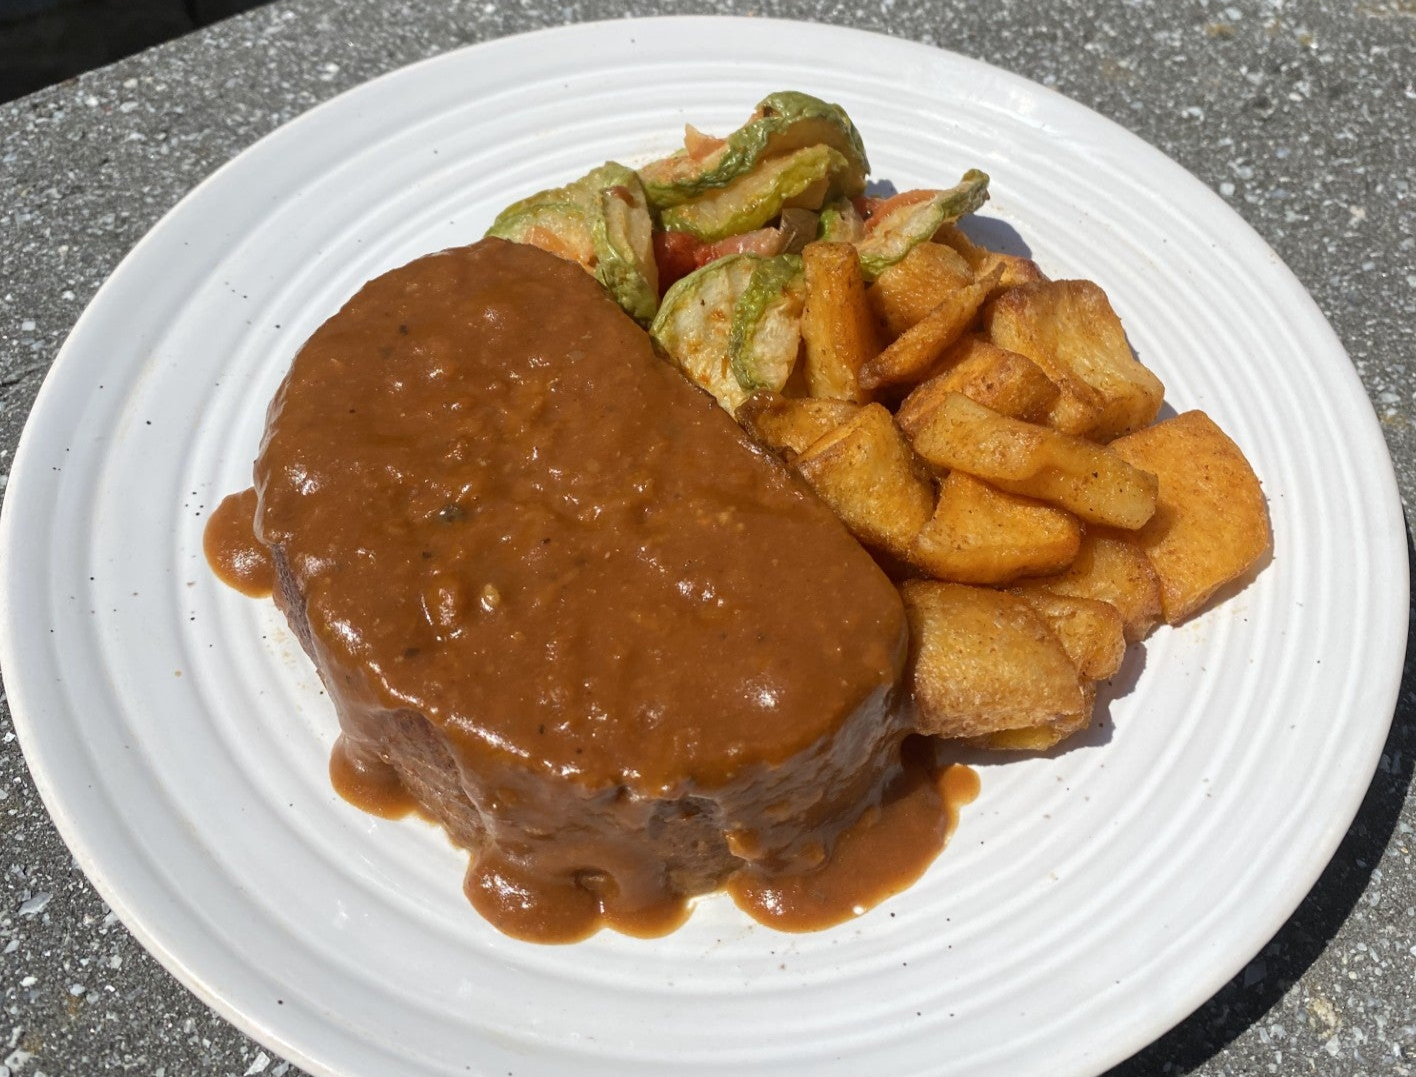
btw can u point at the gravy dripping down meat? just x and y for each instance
(566, 609)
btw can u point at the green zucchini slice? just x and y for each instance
(734, 326)
(891, 235)
(782, 123)
(602, 222)
(804, 178)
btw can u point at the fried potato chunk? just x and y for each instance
(1113, 570)
(1034, 461)
(981, 535)
(982, 661)
(916, 350)
(1009, 383)
(1013, 269)
(837, 325)
(1091, 631)
(1069, 329)
(866, 471)
(1211, 523)
(788, 425)
(908, 290)
(1035, 738)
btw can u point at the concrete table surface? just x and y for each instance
(1300, 113)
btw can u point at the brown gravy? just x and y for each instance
(368, 784)
(883, 852)
(239, 559)
(565, 608)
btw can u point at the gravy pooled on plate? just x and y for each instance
(564, 607)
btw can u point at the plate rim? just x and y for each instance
(18, 494)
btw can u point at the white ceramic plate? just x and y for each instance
(1089, 901)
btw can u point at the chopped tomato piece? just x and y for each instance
(678, 254)
(885, 206)
(866, 205)
(698, 144)
(764, 241)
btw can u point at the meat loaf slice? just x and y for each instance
(556, 594)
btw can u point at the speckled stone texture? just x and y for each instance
(1301, 114)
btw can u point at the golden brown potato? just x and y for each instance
(981, 535)
(1035, 738)
(1009, 383)
(1092, 634)
(1091, 631)
(1211, 523)
(788, 425)
(1068, 328)
(982, 661)
(837, 326)
(867, 472)
(1013, 269)
(915, 351)
(1084, 478)
(1115, 571)
(908, 290)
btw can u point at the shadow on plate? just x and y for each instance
(994, 234)
(1264, 981)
